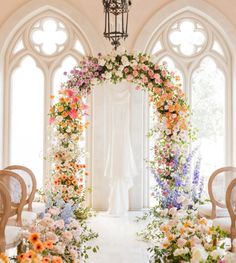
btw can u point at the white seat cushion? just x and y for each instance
(205, 211)
(223, 223)
(12, 236)
(37, 207)
(27, 217)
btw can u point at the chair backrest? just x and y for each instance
(5, 213)
(29, 179)
(231, 205)
(214, 200)
(17, 190)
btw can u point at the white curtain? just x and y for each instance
(120, 167)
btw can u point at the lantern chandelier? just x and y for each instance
(116, 20)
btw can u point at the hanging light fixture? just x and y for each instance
(116, 20)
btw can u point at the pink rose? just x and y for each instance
(135, 73)
(73, 114)
(129, 78)
(126, 70)
(67, 235)
(150, 85)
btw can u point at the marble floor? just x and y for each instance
(117, 240)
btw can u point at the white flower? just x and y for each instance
(181, 251)
(164, 212)
(108, 75)
(218, 253)
(119, 74)
(101, 62)
(125, 61)
(199, 254)
(230, 258)
(173, 211)
(94, 81)
(180, 199)
(181, 242)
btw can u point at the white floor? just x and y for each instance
(117, 240)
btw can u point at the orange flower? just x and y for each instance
(34, 237)
(39, 247)
(48, 244)
(60, 108)
(64, 114)
(21, 257)
(74, 182)
(56, 259)
(46, 260)
(202, 221)
(63, 177)
(30, 254)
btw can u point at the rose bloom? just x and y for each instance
(52, 236)
(59, 223)
(67, 235)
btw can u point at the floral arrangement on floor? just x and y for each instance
(180, 236)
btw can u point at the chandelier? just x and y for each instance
(116, 20)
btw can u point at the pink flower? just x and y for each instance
(70, 93)
(144, 79)
(59, 223)
(150, 85)
(151, 73)
(156, 67)
(51, 120)
(73, 114)
(164, 73)
(129, 78)
(67, 235)
(135, 73)
(138, 88)
(126, 70)
(144, 67)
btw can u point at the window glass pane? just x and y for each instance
(49, 36)
(59, 77)
(208, 105)
(27, 117)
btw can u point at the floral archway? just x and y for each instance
(175, 234)
(172, 134)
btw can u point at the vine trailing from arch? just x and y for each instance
(172, 132)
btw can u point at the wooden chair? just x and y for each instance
(18, 192)
(217, 208)
(228, 224)
(31, 184)
(17, 189)
(10, 236)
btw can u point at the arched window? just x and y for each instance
(39, 53)
(197, 52)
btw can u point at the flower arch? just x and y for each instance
(172, 132)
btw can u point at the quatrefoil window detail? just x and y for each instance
(49, 36)
(187, 37)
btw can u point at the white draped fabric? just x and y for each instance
(120, 166)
